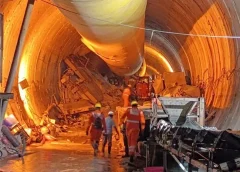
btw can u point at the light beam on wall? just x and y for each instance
(151, 50)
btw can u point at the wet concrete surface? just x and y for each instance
(69, 154)
(62, 158)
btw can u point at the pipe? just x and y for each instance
(143, 69)
(17, 54)
(101, 25)
(10, 136)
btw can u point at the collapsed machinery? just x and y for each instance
(177, 126)
(12, 134)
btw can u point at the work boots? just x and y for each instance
(95, 148)
(109, 149)
(131, 159)
(125, 156)
(95, 152)
(103, 151)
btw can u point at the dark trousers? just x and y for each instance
(107, 138)
(125, 140)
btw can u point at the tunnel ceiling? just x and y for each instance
(211, 63)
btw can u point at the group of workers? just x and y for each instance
(101, 126)
(132, 121)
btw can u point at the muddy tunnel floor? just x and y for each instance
(71, 153)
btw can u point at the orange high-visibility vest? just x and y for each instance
(134, 117)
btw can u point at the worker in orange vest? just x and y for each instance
(125, 95)
(134, 118)
(97, 124)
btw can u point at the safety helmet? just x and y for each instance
(110, 113)
(134, 102)
(98, 105)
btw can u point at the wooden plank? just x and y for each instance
(76, 107)
(72, 66)
(92, 98)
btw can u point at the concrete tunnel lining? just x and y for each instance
(207, 59)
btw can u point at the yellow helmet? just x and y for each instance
(98, 105)
(134, 102)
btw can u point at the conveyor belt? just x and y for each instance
(204, 149)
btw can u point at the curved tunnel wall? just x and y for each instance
(13, 12)
(51, 38)
(208, 60)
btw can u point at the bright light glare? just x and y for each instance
(23, 73)
(155, 53)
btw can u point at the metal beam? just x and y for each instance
(185, 157)
(17, 54)
(6, 96)
(202, 111)
(165, 161)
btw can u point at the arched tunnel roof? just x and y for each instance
(210, 61)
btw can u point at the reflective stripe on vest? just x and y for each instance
(132, 121)
(133, 116)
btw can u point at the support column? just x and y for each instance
(3, 98)
(202, 111)
(17, 54)
(1, 45)
(147, 153)
(165, 163)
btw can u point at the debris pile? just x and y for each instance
(174, 85)
(12, 137)
(81, 88)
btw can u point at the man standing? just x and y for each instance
(97, 124)
(125, 95)
(134, 118)
(108, 132)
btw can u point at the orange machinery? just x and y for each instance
(143, 88)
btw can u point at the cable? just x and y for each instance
(146, 29)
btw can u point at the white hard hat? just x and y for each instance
(110, 113)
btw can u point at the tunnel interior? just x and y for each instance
(194, 37)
